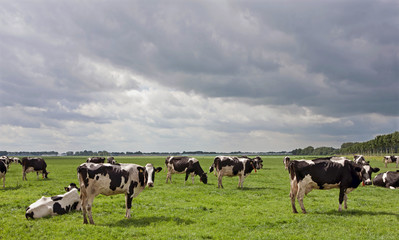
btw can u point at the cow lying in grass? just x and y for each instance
(57, 205)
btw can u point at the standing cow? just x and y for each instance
(33, 165)
(234, 166)
(391, 159)
(4, 163)
(387, 179)
(108, 179)
(326, 174)
(185, 165)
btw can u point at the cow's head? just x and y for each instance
(151, 173)
(45, 173)
(71, 185)
(258, 162)
(204, 178)
(286, 162)
(366, 171)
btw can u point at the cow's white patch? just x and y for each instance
(342, 161)
(29, 169)
(384, 177)
(330, 186)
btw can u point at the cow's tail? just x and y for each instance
(212, 167)
(291, 169)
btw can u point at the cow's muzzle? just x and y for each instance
(150, 185)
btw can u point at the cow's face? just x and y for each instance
(151, 173)
(258, 163)
(204, 178)
(70, 187)
(366, 172)
(286, 161)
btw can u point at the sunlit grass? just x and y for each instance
(262, 210)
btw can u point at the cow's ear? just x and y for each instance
(376, 169)
(158, 169)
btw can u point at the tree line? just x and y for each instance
(380, 145)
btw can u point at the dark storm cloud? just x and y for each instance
(77, 61)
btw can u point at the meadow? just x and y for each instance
(261, 210)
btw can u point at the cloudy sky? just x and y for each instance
(197, 75)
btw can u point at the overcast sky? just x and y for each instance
(197, 75)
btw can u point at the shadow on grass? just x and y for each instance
(357, 213)
(11, 188)
(140, 222)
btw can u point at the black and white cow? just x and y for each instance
(111, 160)
(387, 179)
(57, 205)
(234, 166)
(96, 159)
(33, 165)
(359, 159)
(326, 174)
(185, 165)
(108, 179)
(391, 159)
(4, 163)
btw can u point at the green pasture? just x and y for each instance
(262, 210)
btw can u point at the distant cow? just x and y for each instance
(326, 174)
(387, 179)
(391, 159)
(108, 179)
(111, 160)
(4, 163)
(234, 166)
(359, 159)
(57, 205)
(33, 165)
(96, 159)
(185, 165)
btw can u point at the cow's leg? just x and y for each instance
(386, 164)
(192, 177)
(169, 176)
(4, 181)
(341, 198)
(240, 181)
(24, 175)
(293, 193)
(220, 176)
(83, 201)
(37, 175)
(301, 195)
(89, 205)
(128, 200)
(185, 179)
(345, 199)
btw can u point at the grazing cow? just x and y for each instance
(326, 174)
(108, 179)
(185, 165)
(111, 160)
(95, 159)
(391, 159)
(387, 179)
(233, 166)
(57, 205)
(4, 163)
(33, 164)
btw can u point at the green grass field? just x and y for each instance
(262, 210)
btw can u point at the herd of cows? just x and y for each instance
(97, 177)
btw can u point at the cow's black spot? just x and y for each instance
(58, 209)
(56, 198)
